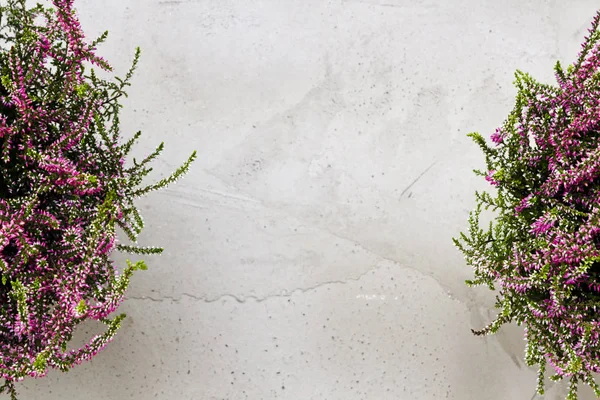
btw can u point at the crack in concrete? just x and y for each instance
(534, 395)
(388, 5)
(173, 2)
(418, 177)
(469, 302)
(376, 4)
(179, 194)
(244, 299)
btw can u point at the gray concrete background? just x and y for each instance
(308, 252)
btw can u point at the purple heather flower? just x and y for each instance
(54, 273)
(525, 203)
(551, 151)
(497, 137)
(490, 179)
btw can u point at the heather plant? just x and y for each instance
(542, 248)
(64, 188)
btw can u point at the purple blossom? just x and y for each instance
(542, 225)
(497, 137)
(490, 178)
(525, 203)
(543, 250)
(58, 216)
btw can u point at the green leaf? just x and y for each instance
(40, 362)
(139, 250)
(81, 307)
(6, 81)
(139, 265)
(167, 181)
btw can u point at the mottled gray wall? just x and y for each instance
(308, 251)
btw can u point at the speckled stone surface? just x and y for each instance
(308, 252)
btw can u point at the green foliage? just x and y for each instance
(63, 190)
(541, 252)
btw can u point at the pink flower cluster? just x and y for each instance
(549, 154)
(57, 215)
(542, 250)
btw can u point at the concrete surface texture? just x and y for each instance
(308, 251)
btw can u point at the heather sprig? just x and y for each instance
(542, 250)
(63, 190)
